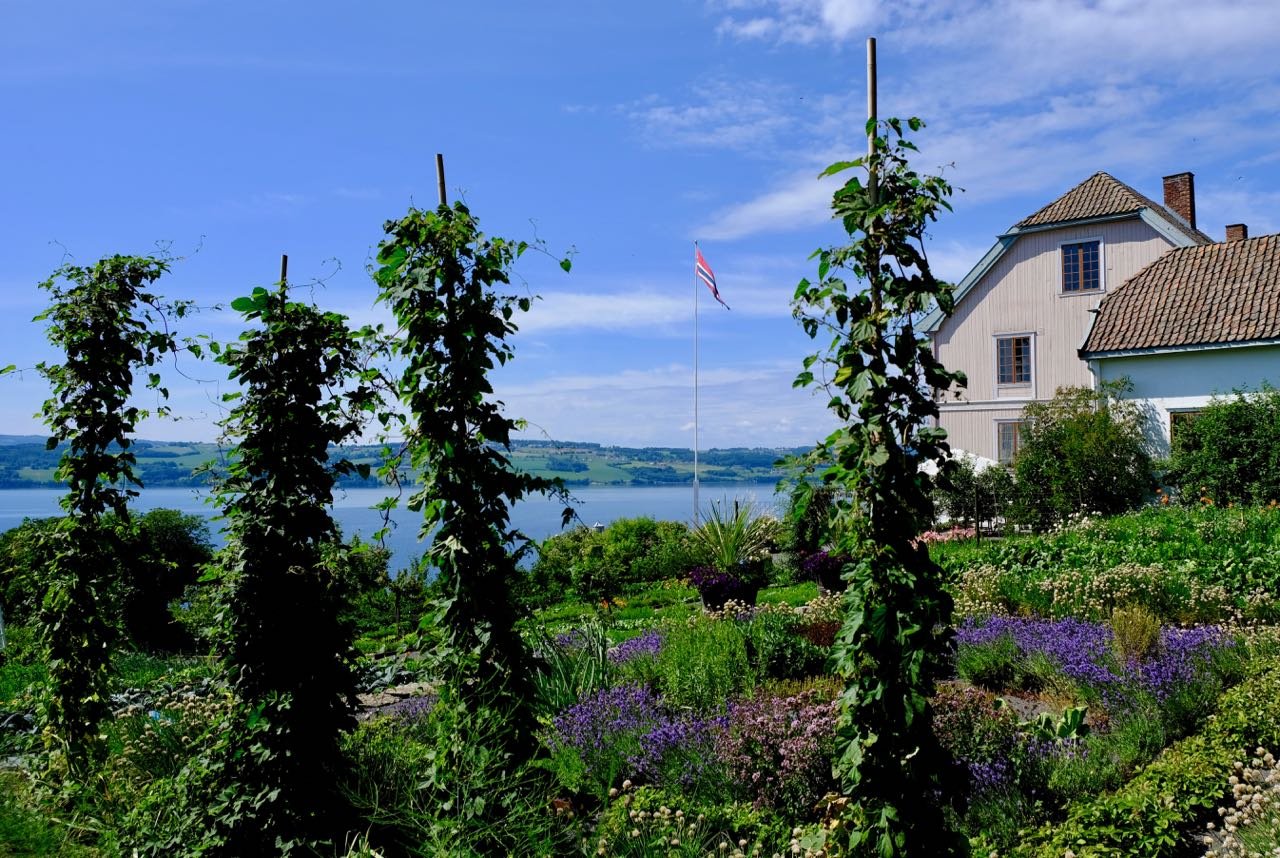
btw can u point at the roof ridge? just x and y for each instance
(1102, 195)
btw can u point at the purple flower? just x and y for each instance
(595, 723)
(778, 750)
(644, 645)
(678, 751)
(1083, 652)
(987, 776)
(411, 708)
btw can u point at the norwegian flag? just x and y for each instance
(706, 275)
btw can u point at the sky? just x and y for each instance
(228, 133)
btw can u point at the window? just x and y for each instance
(1008, 440)
(1013, 360)
(1081, 271)
(1180, 420)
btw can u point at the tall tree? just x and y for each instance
(880, 374)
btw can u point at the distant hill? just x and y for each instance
(25, 463)
(6, 440)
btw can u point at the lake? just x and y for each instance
(352, 509)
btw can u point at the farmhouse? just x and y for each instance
(1023, 312)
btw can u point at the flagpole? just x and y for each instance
(695, 383)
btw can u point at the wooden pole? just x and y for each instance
(444, 200)
(284, 268)
(873, 272)
(871, 115)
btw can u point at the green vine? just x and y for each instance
(290, 655)
(880, 374)
(108, 326)
(440, 276)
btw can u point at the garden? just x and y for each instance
(1115, 685)
(859, 674)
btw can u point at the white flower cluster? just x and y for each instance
(1250, 824)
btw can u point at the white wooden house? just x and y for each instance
(1023, 312)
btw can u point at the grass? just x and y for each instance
(26, 832)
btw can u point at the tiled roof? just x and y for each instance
(1218, 293)
(1102, 195)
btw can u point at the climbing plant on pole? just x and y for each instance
(108, 326)
(443, 280)
(880, 374)
(290, 656)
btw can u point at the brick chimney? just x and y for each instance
(1180, 196)
(1237, 232)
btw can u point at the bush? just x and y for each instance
(1230, 451)
(597, 566)
(1153, 814)
(1082, 451)
(969, 497)
(703, 663)
(778, 750)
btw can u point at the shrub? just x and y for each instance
(703, 663)
(777, 649)
(967, 496)
(600, 565)
(778, 750)
(1082, 451)
(1136, 632)
(807, 522)
(1153, 813)
(1230, 451)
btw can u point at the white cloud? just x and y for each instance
(1025, 97)
(796, 202)
(723, 115)
(739, 407)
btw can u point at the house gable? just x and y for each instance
(1097, 200)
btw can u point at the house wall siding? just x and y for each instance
(1188, 380)
(1022, 294)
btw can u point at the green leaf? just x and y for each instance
(839, 167)
(566, 263)
(8, 369)
(243, 305)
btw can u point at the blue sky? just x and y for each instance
(232, 132)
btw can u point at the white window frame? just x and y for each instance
(996, 426)
(1018, 386)
(1102, 267)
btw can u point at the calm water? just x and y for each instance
(536, 517)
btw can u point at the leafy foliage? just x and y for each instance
(440, 276)
(598, 565)
(970, 497)
(290, 654)
(1082, 451)
(108, 326)
(1230, 451)
(879, 373)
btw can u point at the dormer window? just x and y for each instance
(1081, 267)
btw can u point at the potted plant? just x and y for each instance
(733, 553)
(827, 569)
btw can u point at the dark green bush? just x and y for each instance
(599, 565)
(1083, 451)
(1230, 451)
(967, 496)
